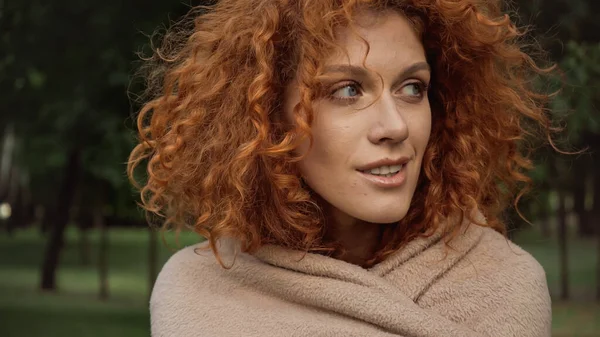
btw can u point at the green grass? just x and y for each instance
(582, 261)
(27, 313)
(75, 310)
(581, 315)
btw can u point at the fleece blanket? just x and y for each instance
(483, 286)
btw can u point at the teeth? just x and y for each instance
(386, 170)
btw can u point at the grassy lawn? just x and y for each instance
(76, 311)
(580, 316)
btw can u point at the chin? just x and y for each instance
(381, 217)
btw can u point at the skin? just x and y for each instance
(364, 118)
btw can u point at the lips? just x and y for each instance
(384, 162)
(386, 181)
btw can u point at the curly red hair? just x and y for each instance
(220, 161)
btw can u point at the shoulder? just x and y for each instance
(174, 284)
(507, 260)
(505, 286)
(195, 296)
(185, 262)
(182, 292)
(181, 271)
(195, 265)
(499, 264)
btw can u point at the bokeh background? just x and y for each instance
(76, 255)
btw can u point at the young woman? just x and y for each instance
(348, 162)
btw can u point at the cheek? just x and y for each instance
(426, 131)
(319, 156)
(331, 150)
(420, 129)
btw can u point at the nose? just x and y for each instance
(389, 125)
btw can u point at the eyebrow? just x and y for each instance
(364, 73)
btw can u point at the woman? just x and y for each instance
(347, 161)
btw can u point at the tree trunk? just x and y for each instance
(585, 228)
(152, 259)
(543, 213)
(595, 220)
(12, 198)
(85, 220)
(26, 199)
(84, 245)
(598, 260)
(562, 246)
(60, 220)
(103, 251)
(6, 160)
(545, 227)
(44, 214)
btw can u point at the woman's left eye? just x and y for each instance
(413, 89)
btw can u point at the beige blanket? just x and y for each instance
(486, 286)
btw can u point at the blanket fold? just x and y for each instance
(484, 285)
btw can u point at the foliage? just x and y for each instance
(570, 33)
(65, 80)
(581, 65)
(67, 66)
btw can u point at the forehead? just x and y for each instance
(391, 39)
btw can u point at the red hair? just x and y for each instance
(220, 162)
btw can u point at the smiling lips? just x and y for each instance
(384, 162)
(386, 172)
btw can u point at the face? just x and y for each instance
(372, 124)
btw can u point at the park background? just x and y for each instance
(76, 255)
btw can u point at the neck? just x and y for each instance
(358, 239)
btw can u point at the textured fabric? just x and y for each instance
(484, 286)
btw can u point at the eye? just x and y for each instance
(346, 92)
(415, 89)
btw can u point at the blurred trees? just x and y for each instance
(66, 67)
(570, 32)
(65, 72)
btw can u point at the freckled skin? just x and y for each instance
(352, 132)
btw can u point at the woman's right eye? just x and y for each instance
(346, 92)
